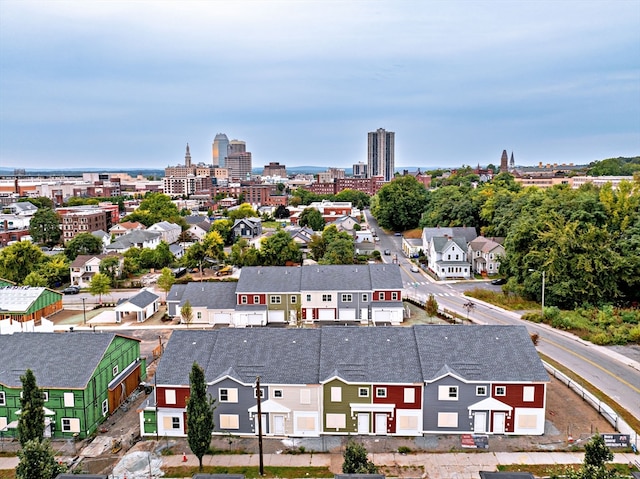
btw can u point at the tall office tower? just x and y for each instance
(220, 150)
(239, 165)
(237, 146)
(380, 154)
(360, 170)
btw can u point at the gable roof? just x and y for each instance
(385, 276)
(485, 353)
(143, 299)
(18, 299)
(212, 295)
(195, 219)
(49, 356)
(350, 277)
(83, 259)
(164, 226)
(133, 238)
(267, 279)
(469, 233)
(441, 243)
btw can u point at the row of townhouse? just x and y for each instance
(344, 380)
(84, 377)
(368, 294)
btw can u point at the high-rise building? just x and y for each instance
(239, 165)
(360, 170)
(220, 150)
(237, 146)
(380, 154)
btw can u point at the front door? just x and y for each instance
(363, 423)
(264, 423)
(278, 425)
(381, 424)
(480, 422)
(498, 422)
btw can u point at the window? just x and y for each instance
(199, 315)
(175, 423)
(501, 390)
(274, 299)
(255, 393)
(243, 299)
(305, 396)
(365, 297)
(68, 400)
(326, 297)
(394, 296)
(447, 393)
(70, 425)
(294, 299)
(45, 396)
(481, 390)
(256, 299)
(447, 419)
(228, 395)
(336, 421)
(381, 392)
(229, 421)
(347, 298)
(105, 407)
(308, 297)
(526, 421)
(3, 399)
(409, 395)
(336, 394)
(457, 258)
(381, 296)
(363, 392)
(170, 396)
(448, 256)
(277, 393)
(528, 393)
(115, 370)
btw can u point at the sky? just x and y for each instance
(114, 84)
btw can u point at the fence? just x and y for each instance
(605, 410)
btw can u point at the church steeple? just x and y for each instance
(512, 163)
(187, 157)
(503, 162)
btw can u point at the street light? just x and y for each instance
(469, 306)
(543, 278)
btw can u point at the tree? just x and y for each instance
(400, 203)
(39, 202)
(312, 218)
(84, 243)
(431, 306)
(44, 226)
(279, 249)
(339, 251)
(31, 422)
(100, 284)
(223, 227)
(110, 267)
(154, 208)
(213, 246)
(281, 212)
(200, 408)
(165, 281)
(356, 460)
(18, 260)
(35, 279)
(186, 313)
(594, 466)
(37, 461)
(243, 211)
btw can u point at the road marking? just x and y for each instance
(618, 378)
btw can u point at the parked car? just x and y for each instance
(499, 281)
(387, 252)
(415, 269)
(71, 290)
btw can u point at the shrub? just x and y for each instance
(404, 450)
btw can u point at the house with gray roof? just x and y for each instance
(247, 228)
(485, 253)
(212, 303)
(135, 239)
(170, 232)
(86, 266)
(84, 378)
(447, 258)
(143, 305)
(344, 380)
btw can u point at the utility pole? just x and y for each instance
(84, 312)
(259, 399)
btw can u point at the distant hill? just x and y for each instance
(159, 173)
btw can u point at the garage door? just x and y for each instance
(254, 319)
(348, 314)
(382, 316)
(276, 316)
(326, 314)
(221, 318)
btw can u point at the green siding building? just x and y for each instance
(84, 377)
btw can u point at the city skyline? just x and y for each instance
(129, 84)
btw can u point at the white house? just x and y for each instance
(135, 239)
(170, 231)
(448, 258)
(85, 266)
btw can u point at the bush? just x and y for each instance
(404, 450)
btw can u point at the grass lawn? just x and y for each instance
(546, 470)
(511, 302)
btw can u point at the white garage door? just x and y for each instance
(254, 319)
(276, 316)
(326, 314)
(221, 318)
(382, 316)
(348, 314)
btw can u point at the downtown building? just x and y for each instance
(380, 154)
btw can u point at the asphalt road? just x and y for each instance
(614, 374)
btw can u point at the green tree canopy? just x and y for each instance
(83, 243)
(312, 218)
(243, 211)
(44, 226)
(186, 313)
(18, 260)
(31, 422)
(38, 461)
(400, 203)
(278, 249)
(166, 281)
(154, 208)
(200, 408)
(100, 285)
(356, 460)
(110, 267)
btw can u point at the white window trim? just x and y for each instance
(105, 407)
(363, 392)
(3, 398)
(479, 392)
(381, 392)
(115, 370)
(347, 298)
(504, 390)
(278, 393)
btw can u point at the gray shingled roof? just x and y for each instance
(143, 299)
(385, 354)
(213, 295)
(269, 279)
(58, 360)
(183, 349)
(385, 276)
(352, 277)
(440, 242)
(469, 233)
(486, 353)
